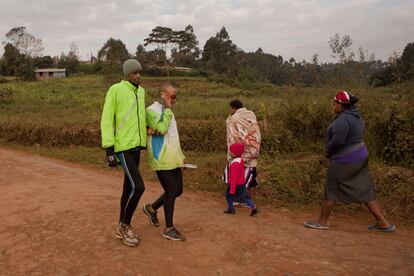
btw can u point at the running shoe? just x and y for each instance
(230, 211)
(152, 216)
(254, 212)
(173, 234)
(127, 235)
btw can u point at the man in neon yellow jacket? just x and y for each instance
(123, 130)
(166, 159)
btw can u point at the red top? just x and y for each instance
(236, 174)
(236, 168)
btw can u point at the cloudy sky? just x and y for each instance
(291, 28)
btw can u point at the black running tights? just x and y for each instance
(172, 183)
(133, 185)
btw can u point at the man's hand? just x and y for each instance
(111, 157)
(111, 161)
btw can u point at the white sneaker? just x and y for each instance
(127, 235)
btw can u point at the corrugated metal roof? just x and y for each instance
(49, 70)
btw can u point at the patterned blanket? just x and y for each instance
(242, 127)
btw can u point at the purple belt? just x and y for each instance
(352, 157)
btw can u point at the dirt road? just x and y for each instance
(58, 218)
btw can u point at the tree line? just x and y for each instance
(165, 51)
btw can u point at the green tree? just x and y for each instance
(25, 70)
(169, 41)
(341, 48)
(188, 51)
(26, 43)
(407, 61)
(165, 39)
(70, 61)
(219, 53)
(141, 55)
(43, 62)
(11, 60)
(156, 57)
(342, 52)
(150, 59)
(28, 46)
(112, 55)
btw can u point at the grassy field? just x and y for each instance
(60, 118)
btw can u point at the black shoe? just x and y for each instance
(173, 234)
(254, 212)
(229, 211)
(152, 216)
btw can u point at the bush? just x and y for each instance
(154, 72)
(48, 135)
(6, 95)
(3, 79)
(203, 135)
(307, 120)
(88, 69)
(210, 136)
(292, 119)
(25, 70)
(395, 190)
(399, 138)
(192, 73)
(294, 181)
(278, 139)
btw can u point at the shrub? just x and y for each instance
(3, 79)
(278, 139)
(399, 138)
(308, 120)
(294, 181)
(203, 135)
(6, 95)
(50, 135)
(394, 187)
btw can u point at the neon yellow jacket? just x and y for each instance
(164, 150)
(123, 123)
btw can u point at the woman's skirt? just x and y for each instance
(349, 183)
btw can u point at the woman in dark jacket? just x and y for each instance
(348, 179)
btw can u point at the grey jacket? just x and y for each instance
(346, 130)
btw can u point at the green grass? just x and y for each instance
(67, 112)
(294, 116)
(80, 99)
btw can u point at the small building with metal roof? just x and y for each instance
(50, 73)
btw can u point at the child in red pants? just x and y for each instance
(234, 176)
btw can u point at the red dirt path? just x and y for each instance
(58, 218)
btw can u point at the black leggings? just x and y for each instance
(172, 182)
(133, 185)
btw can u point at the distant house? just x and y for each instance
(50, 73)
